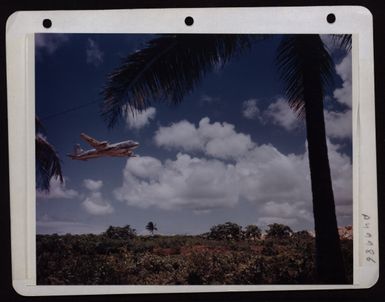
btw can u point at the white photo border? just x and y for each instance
(20, 29)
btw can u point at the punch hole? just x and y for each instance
(331, 18)
(189, 21)
(47, 23)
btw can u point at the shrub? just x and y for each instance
(278, 231)
(122, 233)
(226, 231)
(269, 248)
(302, 235)
(252, 232)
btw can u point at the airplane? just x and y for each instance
(122, 149)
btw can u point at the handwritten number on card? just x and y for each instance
(368, 243)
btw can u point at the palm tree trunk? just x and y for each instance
(329, 261)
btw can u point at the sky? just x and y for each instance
(233, 150)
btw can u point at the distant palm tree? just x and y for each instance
(171, 66)
(151, 227)
(47, 160)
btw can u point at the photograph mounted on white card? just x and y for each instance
(192, 150)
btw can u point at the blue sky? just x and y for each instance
(231, 151)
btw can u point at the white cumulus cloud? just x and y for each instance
(93, 185)
(342, 175)
(294, 214)
(344, 70)
(57, 190)
(186, 182)
(140, 119)
(94, 202)
(268, 174)
(339, 123)
(182, 135)
(279, 113)
(250, 109)
(216, 139)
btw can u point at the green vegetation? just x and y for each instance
(122, 233)
(278, 231)
(228, 254)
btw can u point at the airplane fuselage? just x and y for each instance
(122, 149)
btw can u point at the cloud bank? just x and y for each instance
(219, 140)
(277, 184)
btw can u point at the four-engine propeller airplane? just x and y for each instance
(122, 149)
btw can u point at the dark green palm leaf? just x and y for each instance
(39, 128)
(298, 55)
(151, 226)
(167, 69)
(343, 41)
(47, 164)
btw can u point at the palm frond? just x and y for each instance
(47, 164)
(39, 127)
(299, 56)
(167, 69)
(343, 41)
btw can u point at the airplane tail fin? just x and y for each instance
(77, 149)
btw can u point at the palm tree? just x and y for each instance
(151, 227)
(307, 69)
(47, 160)
(171, 66)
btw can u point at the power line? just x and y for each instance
(67, 110)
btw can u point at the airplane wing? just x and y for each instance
(93, 142)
